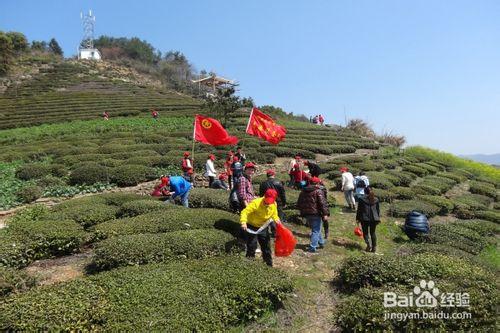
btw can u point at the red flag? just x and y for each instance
(210, 131)
(264, 127)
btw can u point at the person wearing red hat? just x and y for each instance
(236, 169)
(220, 184)
(314, 207)
(348, 187)
(227, 167)
(275, 184)
(245, 189)
(293, 168)
(210, 169)
(161, 189)
(179, 187)
(255, 220)
(187, 167)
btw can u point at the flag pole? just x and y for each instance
(194, 140)
(250, 118)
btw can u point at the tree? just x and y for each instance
(6, 53)
(19, 41)
(38, 45)
(225, 102)
(54, 47)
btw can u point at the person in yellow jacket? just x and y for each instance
(255, 220)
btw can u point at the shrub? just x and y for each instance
(403, 193)
(446, 205)
(29, 193)
(88, 215)
(384, 195)
(14, 280)
(139, 207)
(120, 198)
(473, 201)
(402, 208)
(209, 198)
(426, 189)
(457, 177)
(489, 215)
(89, 173)
(25, 241)
(287, 152)
(50, 181)
(149, 248)
(379, 180)
(440, 183)
(32, 171)
(417, 170)
(58, 170)
(483, 188)
(189, 295)
(177, 219)
(455, 235)
(130, 175)
(429, 168)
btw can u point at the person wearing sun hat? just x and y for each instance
(348, 187)
(272, 182)
(314, 207)
(179, 187)
(255, 220)
(187, 167)
(245, 188)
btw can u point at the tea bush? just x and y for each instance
(446, 205)
(24, 241)
(87, 215)
(139, 207)
(489, 215)
(473, 201)
(457, 177)
(188, 295)
(89, 173)
(362, 271)
(440, 183)
(380, 180)
(384, 195)
(455, 235)
(29, 193)
(426, 189)
(484, 189)
(120, 198)
(402, 208)
(403, 193)
(130, 175)
(177, 219)
(32, 171)
(14, 280)
(150, 248)
(209, 198)
(417, 170)
(401, 178)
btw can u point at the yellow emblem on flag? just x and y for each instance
(206, 123)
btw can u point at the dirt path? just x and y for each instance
(50, 271)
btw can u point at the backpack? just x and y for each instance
(360, 183)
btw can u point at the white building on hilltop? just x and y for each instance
(91, 54)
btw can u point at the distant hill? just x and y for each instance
(493, 159)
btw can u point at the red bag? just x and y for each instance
(358, 232)
(285, 242)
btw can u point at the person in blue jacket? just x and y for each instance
(179, 187)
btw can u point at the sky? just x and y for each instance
(429, 70)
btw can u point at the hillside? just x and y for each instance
(123, 261)
(47, 90)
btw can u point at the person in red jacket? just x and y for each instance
(155, 114)
(187, 167)
(162, 189)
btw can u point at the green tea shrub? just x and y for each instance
(455, 235)
(176, 219)
(403, 193)
(143, 160)
(14, 280)
(473, 201)
(88, 215)
(130, 175)
(362, 271)
(446, 205)
(25, 241)
(440, 183)
(58, 170)
(426, 189)
(384, 195)
(89, 173)
(483, 189)
(188, 295)
(402, 208)
(287, 152)
(379, 180)
(142, 249)
(139, 207)
(415, 169)
(32, 171)
(489, 215)
(457, 177)
(429, 168)
(209, 198)
(120, 198)
(364, 311)
(401, 178)
(50, 181)
(29, 193)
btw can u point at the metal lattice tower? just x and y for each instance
(88, 21)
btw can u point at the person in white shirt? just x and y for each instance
(210, 169)
(348, 187)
